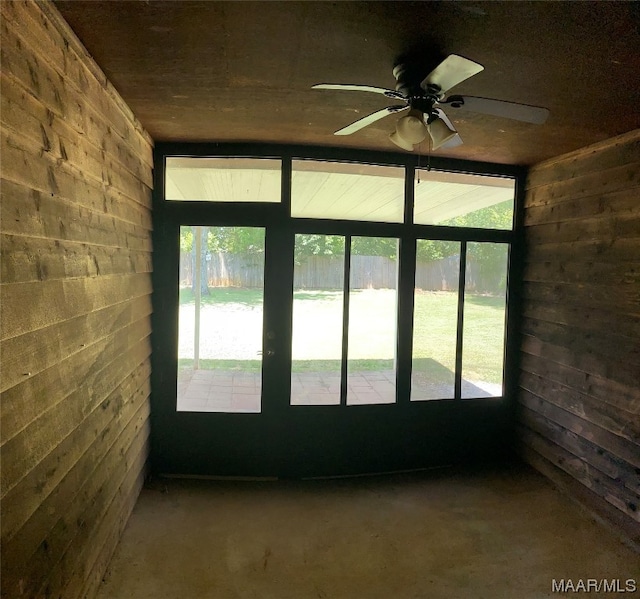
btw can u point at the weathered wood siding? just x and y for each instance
(76, 260)
(579, 398)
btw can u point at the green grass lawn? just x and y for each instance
(223, 295)
(297, 365)
(435, 318)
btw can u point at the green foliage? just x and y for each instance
(232, 240)
(375, 246)
(318, 245)
(236, 240)
(498, 216)
(491, 254)
(186, 239)
(429, 250)
(333, 245)
(491, 260)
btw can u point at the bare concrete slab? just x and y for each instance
(500, 533)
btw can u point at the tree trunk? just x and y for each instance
(200, 261)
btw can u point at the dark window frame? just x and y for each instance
(167, 217)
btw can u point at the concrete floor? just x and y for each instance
(437, 534)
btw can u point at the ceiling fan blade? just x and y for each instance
(390, 93)
(455, 141)
(369, 119)
(452, 70)
(501, 108)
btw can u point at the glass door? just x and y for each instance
(219, 404)
(221, 319)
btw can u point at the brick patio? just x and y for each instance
(228, 391)
(231, 391)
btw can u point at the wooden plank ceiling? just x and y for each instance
(242, 71)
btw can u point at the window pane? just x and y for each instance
(459, 200)
(484, 319)
(223, 179)
(316, 353)
(435, 318)
(220, 319)
(373, 308)
(347, 191)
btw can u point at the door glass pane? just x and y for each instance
(316, 353)
(373, 309)
(461, 200)
(220, 319)
(223, 179)
(435, 318)
(347, 191)
(484, 319)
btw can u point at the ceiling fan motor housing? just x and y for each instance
(408, 77)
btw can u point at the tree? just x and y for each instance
(429, 250)
(498, 216)
(236, 240)
(490, 260)
(317, 245)
(200, 261)
(186, 239)
(375, 246)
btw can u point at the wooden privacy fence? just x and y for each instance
(438, 275)
(225, 270)
(326, 272)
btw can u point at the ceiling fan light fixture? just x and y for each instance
(401, 143)
(411, 127)
(440, 132)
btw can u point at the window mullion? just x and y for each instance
(460, 325)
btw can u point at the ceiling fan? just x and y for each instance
(424, 96)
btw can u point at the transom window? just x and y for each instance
(228, 179)
(347, 191)
(461, 200)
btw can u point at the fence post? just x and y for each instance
(197, 296)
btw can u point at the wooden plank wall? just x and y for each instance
(579, 397)
(75, 324)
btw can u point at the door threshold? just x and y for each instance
(221, 478)
(382, 473)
